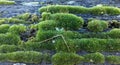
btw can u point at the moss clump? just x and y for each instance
(15, 20)
(17, 29)
(114, 33)
(2, 21)
(4, 28)
(96, 10)
(24, 16)
(7, 2)
(97, 25)
(47, 25)
(95, 58)
(8, 48)
(63, 58)
(65, 20)
(9, 38)
(25, 56)
(113, 59)
(64, 9)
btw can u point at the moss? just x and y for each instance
(24, 16)
(47, 25)
(17, 29)
(15, 20)
(95, 58)
(9, 38)
(63, 9)
(25, 56)
(4, 28)
(7, 2)
(8, 48)
(63, 58)
(46, 16)
(34, 18)
(97, 25)
(114, 33)
(2, 21)
(89, 45)
(113, 59)
(95, 10)
(68, 21)
(36, 46)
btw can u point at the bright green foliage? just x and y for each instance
(9, 38)
(8, 48)
(101, 10)
(25, 56)
(97, 25)
(47, 25)
(24, 16)
(96, 10)
(89, 45)
(2, 21)
(111, 10)
(3, 57)
(34, 18)
(17, 29)
(4, 28)
(46, 16)
(95, 58)
(65, 20)
(64, 9)
(43, 35)
(33, 26)
(68, 21)
(60, 45)
(113, 45)
(36, 46)
(114, 33)
(7, 2)
(62, 58)
(47, 57)
(15, 20)
(113, 59)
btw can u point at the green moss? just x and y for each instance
(95, 10)
(113, 59)
(63, 58)
(36, 46)
(97, 25)
(2, 21)
(114, 33)
(64, 9)
(9, 38)
(89, 45)
(7, 2)
(33, 26)
(24, 16)
(47, 25)
(25, 56)
(46, 16)
(68, 21)
(8, 48)
(15, 20)
(34, 18)
(4, 28)
(17, 29)
(95, 58)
